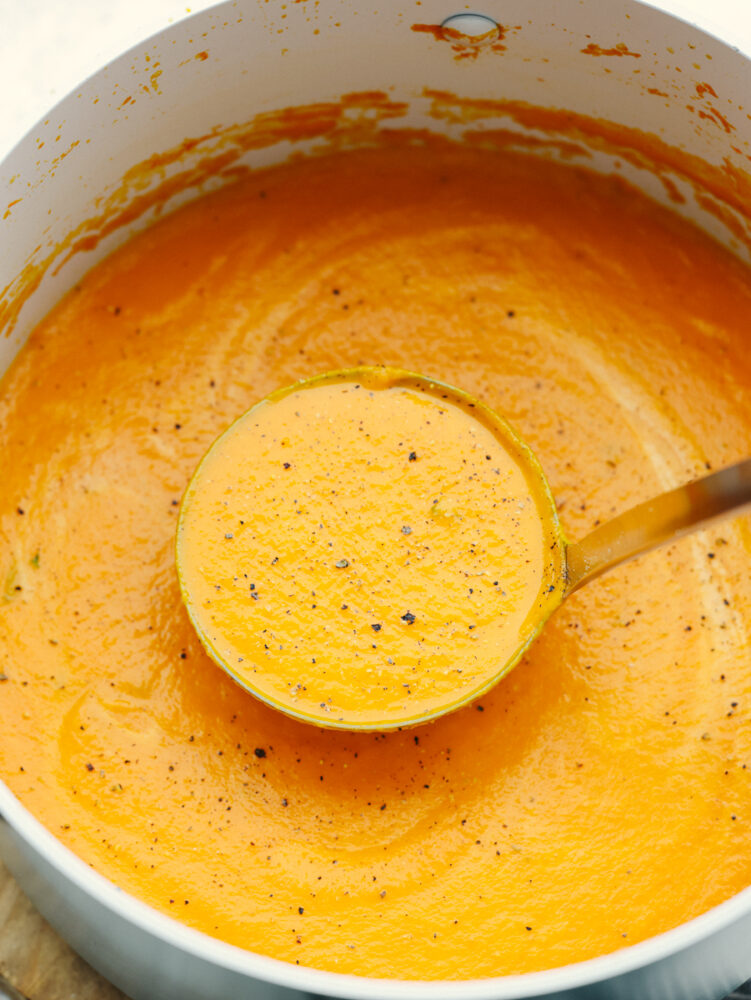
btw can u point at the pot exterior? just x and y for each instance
(127, 943)
(250, 61)
(144, 967)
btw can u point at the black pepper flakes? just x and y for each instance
(409, 618)
(413, 456)
(259, 752)
(376, 627)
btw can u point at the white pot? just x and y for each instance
(258, 61)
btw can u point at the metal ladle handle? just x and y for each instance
(659, 521)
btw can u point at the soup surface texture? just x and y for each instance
(592, 798)
(368, 549)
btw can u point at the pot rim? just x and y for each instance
(202, 946)
(337, 984)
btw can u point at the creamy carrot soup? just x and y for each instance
(592, 798)
(368, 549)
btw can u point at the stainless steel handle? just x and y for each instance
(658, 522)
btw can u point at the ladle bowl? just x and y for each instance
(252, 643)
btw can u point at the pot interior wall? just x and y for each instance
(113, 154)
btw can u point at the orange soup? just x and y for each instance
(368, 552)
(596, 795)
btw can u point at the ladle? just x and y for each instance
(252, 641)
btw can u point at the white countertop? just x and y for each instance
(48, 46)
